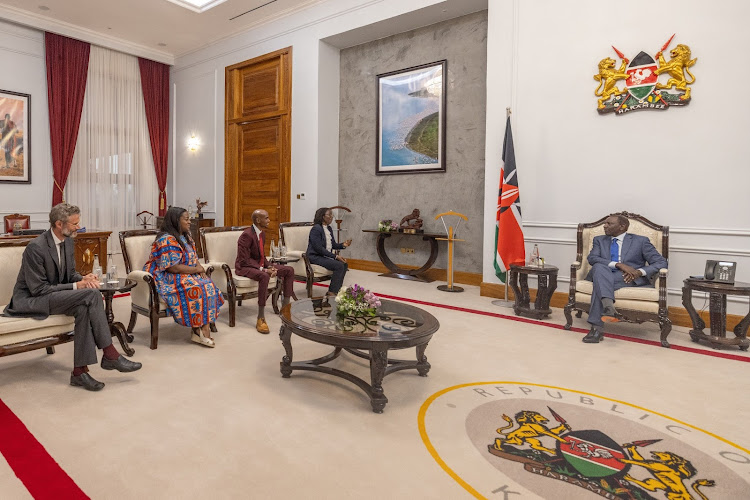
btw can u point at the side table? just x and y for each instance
(547, 284)
(117, 329)
(284, 261)
(717, 293)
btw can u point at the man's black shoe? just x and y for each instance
(121, 364)
(594, 336)
(86, 381)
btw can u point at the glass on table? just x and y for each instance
(112, 274)
(97, 271)
(283, 250)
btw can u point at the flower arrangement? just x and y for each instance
(387, 225)
(356, 301)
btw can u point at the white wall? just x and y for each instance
(22, 60)
(314, 101)
(685, 167)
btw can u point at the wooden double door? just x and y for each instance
(258, 140)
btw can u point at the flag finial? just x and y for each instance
(507, 112)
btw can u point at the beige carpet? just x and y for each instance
(222, 423)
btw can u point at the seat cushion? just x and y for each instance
(320, 271)
(645, 293)
(246, 285)
(14, 329)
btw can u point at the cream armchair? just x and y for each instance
(295, 236)
(636, 304)
(145, 300)
(220, 254)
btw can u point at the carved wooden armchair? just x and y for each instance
(636, 304)
(16, 221)
(220, 254)
(295, 236)
(145, 300)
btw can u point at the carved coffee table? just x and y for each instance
(396, 326)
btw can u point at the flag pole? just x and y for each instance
(504, 302)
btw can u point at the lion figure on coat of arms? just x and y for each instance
(531, 426)
(668, 471)
(676, 68)
(607, 79)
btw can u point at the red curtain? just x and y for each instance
(155, 83)
(67, 71)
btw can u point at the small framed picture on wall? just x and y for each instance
(411, 120)
(15, 128)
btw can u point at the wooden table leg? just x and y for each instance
(422, 365)
(378, 364)
(286, 362)
(512, 278)
(718, 314)
(740, 331)
(118, 330)
(698, 324)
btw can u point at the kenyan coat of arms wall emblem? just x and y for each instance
(643, 88)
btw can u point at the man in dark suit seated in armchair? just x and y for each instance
(618, 259)
(252, 263)
(48, 283)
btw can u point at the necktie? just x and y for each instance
(261, 244)
(614, 250)
(63, 263)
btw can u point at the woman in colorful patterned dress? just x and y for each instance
(191, 297)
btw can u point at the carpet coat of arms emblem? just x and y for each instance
(643, 88)
(532, 441)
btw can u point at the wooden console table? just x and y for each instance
(717, 293)
(87, 246)
(546, 286)
(400, 272)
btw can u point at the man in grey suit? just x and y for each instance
(618, 259)
(48, 283)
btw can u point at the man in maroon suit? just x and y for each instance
(252, 263)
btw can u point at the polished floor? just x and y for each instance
(223, 423)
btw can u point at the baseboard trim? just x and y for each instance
(436, 274)
(678, 315)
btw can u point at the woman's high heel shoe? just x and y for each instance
(198, 338)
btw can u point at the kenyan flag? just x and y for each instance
(592, 453)
(642, 71)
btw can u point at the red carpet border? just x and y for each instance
(37, 470)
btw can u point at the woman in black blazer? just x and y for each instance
(320, 251)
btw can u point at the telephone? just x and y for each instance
(720, 271)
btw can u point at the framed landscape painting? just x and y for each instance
(411, 120)
(15, 124)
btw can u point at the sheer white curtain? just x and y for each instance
(112, 177)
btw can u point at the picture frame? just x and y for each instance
(411, 111)
(15, 137)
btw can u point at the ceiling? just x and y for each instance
(158, 29)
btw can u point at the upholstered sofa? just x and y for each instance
(295, 236)
(220, 254)
(25, 334)
(635, 304)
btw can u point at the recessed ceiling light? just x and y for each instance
(43, 7)
(162, 44)
(197, 5)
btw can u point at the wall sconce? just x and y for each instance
(193, 143)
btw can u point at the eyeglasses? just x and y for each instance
(77, 224)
